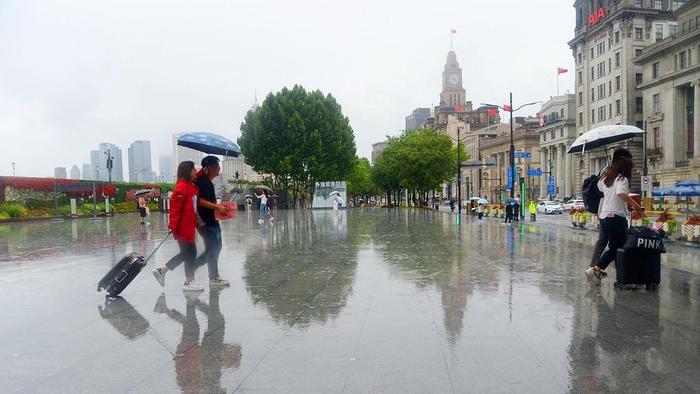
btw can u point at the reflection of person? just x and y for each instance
(612, 211)
(182, 224)
(248, 204)
(263, 207)
(198, 365)
(211, 231)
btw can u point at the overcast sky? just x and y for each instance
(77, 73)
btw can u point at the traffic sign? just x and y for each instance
(646, 180)
(551, 181)
(551, 189)
(523, 155)
(510, 179)
(534, 172)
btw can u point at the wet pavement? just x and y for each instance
(368, 300)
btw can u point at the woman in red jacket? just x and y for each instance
(182, 224)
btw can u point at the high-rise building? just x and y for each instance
(112, 150)
(231, 166)
(74, 172)
(166, 171)
(180, 154)
(608, 35)
(87, 171)
(377, 149)
(96, 167)
(417, 118)
(671, 97)
(59, 173)
(140, 170)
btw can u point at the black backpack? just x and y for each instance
(591, 194)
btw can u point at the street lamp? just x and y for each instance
(512, 145)
(110, 163)
(459, 172)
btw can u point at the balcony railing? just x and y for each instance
(655, 152)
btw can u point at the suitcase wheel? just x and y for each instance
(652, 287)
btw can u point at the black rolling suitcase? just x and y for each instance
(639, 262)
(119, 277)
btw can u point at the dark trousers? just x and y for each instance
(532, 217)
(211, 235)
(615, 229)
(188, 254)
(600, 245)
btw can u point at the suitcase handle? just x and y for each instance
(157, 247)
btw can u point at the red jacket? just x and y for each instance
(182, 215)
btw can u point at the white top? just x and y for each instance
(611, 204)
(263, 198)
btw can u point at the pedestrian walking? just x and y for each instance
(182, 224)
(452, 204)
(263, 207)
(602, 241)
(143, 208)
(533, 210)
(516, 211)
(612, 211)
(480, 211)
(509, 213)
(211, 230)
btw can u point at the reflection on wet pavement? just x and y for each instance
(358, 301)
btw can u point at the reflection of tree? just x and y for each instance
(306, 271)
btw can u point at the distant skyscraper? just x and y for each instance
(377, 149)
(140, 162)
(117, 166)
(166, 171)
(96, 166)
(87, 171)
(74, 172)
(181, 154)
(59, 173)
(417, 118)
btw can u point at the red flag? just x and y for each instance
(561, 70)
(507, 108)
(491, 111)
(453, 31)
(459, 108)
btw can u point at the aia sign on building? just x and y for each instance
(596, 17)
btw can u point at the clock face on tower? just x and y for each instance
(453, 79)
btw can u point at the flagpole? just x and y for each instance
(558, 83)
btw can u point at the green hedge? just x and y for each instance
(13, 210)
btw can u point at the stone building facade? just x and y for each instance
(557, 132)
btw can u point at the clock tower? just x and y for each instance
(452, 91)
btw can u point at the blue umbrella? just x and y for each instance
(482, 201)
(689, 188)
(210, 143)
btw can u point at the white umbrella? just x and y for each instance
(602, 136)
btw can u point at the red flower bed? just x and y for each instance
(84, 188)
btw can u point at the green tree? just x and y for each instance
(299, 138)
(360, 179)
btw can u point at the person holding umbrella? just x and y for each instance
(263, 204)
(211, 230)
(142, 204)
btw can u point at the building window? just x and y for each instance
(639, 105)
(618, 83)
(673, 30)
(638, 78)
(561, 132)
(580, 78)
(609, 88)
(592, 95)
(638, 3)
(657, 4)
(655, 70)
(544, 136)
(592, 116)
(657, 137)
(609, 66)
(580, 98)
(592, 73)
(610, 110)
(580, 118)
(562, 113)
(657, 103)
(677, 4)
(617, 37)
(618, 107)
(592, 53)
(659, 32)
(682, 60)
(617, 59)
(554, 135)
(637, 52)
(580, 58)
(638, 33)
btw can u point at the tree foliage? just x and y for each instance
(299, 138)
(360, 179)
(418, 160)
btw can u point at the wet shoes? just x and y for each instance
(192, 287)
(594, 276)
(218, 282)
(160, 277)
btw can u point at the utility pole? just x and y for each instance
(512, 150)
(109, 163)
(459, 174)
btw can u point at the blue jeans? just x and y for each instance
(263, 212)
(211, 235)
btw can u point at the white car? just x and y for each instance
(574, 203)
(550, 207)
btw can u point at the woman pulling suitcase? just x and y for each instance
(612, 211)
(182, 224)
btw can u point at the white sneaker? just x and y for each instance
(192, 287)
(219, 282)
(260, 221)
(160, 276)
(594, 277)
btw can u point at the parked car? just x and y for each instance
(574, 203)
(550, 207)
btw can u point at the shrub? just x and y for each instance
(63, 210)
(39, 212)
(13, 210)
(4, 216)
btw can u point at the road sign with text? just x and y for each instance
(534, 172)
(523, 155)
